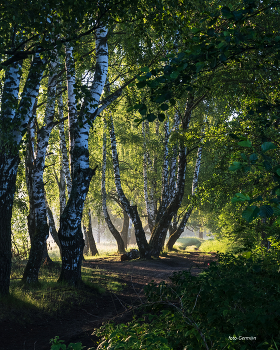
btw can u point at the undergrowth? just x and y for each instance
(50, 298)
(234, 305)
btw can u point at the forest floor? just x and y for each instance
(76, 321)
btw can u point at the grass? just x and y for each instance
(50, 298)
(188, 244)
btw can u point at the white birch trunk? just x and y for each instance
(70, 233)
(72, 108)
(173, 238)
(130, 210)
(40, 229)
(110, 225)
(63, 148)
(10, 138)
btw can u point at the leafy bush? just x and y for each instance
(57, 344)
(235, 304)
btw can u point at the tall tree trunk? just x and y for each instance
(13, 121)
(51, 223)
(124, 231)
(70, 233)
(165, 215)
(200, 233)
(173, 238)
(8, 172)
(131, 210)
(160, 230)
(40, 231)
(92, 245)
(113, 230)
(86, 246)
(63, 149)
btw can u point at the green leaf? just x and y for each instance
(235, 166)
(164, 107)
(267, 146)
(240, 197)
(253, 157)
(211, 32)
(174, 74)
(267, 165)
(151, 117)
(250, 213)
(144, 69)
(199, 66)
(266, 211)
(246, 143)
(161, 117)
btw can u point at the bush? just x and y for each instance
(235, 304)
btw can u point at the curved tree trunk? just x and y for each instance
(173, 238)
(40, 229)
(113, 230)
(131, 210)
(13, 122)
(91, 241)
(70, 233)
(160, 230)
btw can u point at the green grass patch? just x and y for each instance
(50, 298)
(224, 245)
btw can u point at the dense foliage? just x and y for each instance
(235, 304)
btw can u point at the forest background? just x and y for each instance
(161, 114)
(175, 86)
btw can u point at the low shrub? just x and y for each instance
(233, 305)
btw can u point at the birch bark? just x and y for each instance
(40, 229)
(92, 245)
(175, 235)
(70, 233)
(14, 119)
(113, 230)
(130, 210)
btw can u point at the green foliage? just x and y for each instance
(57, 344)
(263, 162)
(237, 297)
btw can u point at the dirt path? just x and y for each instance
(80, 322)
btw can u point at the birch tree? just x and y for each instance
(112, 228)
(15, 115)
(38, 226)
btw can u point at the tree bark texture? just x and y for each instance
(37, 209)
(131, 210)
(91, 241)
(124, 231)
(8, 171)
(70, 233)
(13, 121)
(113, 230)
(173, 238)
